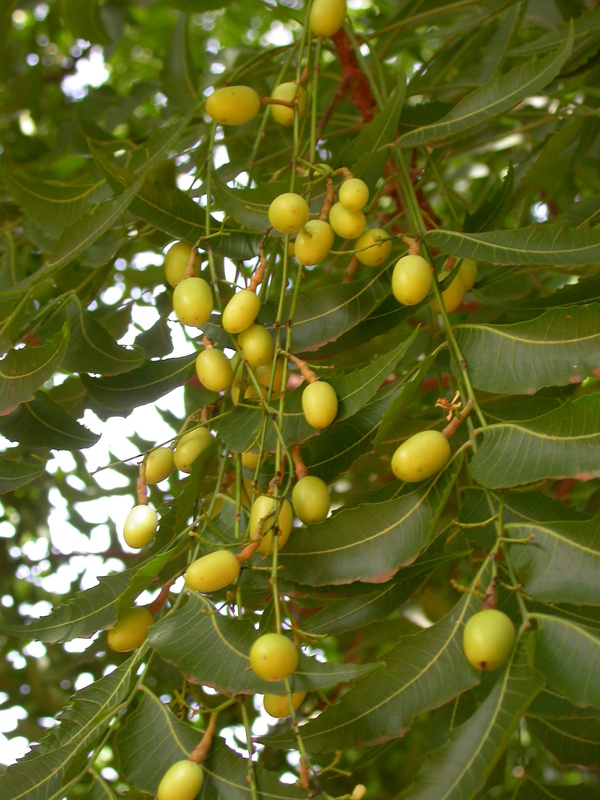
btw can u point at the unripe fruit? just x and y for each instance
(411, 280)
(347, 224)
(130, 631)
(176, 262)
(213, 571)
(353, 194)
(233, 105)
(193, 301)
(265, 507)
(421, 456)
(278, 705)
(313, 242)
(327, 17)
(288, 212)
(190, 446)
(140, 526)
(319, 404)
(452, 297)
(214, 369)
(273, 657)
(467, 272)
(288, 91)
(182, 781)
(379, 247)
(159, 465)
(311, 499)
(263, 375)
(256, 345)
(488, 639)
(240, 312)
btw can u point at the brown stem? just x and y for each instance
(259, 272)
(452, 426)
(299, 466)
(353, 265)
(160, 600)
(200, 752)
(208, 343)
(329, 200)
(190, 270)
(141, 490)
(306, 371)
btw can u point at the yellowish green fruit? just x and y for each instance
(182, 781)
(257, 345)
(249, 459)
(159, 465)
(263, 374)
(213, 571)
(288, 212)
(189, 447)
(353, 194)
(314, 241)
(233, 105)
(310, 497)
(421, 456)
(373, 247)
(468, 273)
(214, 369)
(327, 17)
(274, 514)
(287, 91)
(273, 657)
(411, 280)
(347, 224)
(319, 404)
(130, 631)
(488, 639)
(278, 705)
(452, 296)
(241, 311)
(193, 301)
(176, 262)
(140, 526)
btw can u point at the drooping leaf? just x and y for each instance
(15, 473)
(493, 207)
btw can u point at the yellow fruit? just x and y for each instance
(140, 526)
(213, 571)
(353, 194)
(421, 456)
(214, 369)
(452, 297)
(468, 273)
(288, 212)
(193, 301)
(190, 446)
(278, 705)
(488, 639)
(233, 105)
(130, 631)
(241, 311)
(347, 224)
(319, 404)
(327, 17)
(310, 497)
(411, 280)
(263, 374)
(379, 247)
(314, 241)
(266, 508)
(159, 465)
(182, 781)
(256, 345)
(273, 657)
(287, 91)
(249, 459)
(176, 262)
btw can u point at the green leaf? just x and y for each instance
(459, 769)
(25, 370)
(572, 734)
(493, 206)
(15, 473)
(213, 649)
(42, 423)
(85, 20)
(180, 78)
(585, 25)
(369, 542)
(561, 444)
(498, 95)
(559, 347)
(531, 790)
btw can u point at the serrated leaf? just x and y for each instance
(15, 473)
(25, 370)
(369, 542)
(180, 78)
(559, 347)
(498, 95)
(248, 207)
(459, 769)
(572, 734)
(213, 649)
(561, 444)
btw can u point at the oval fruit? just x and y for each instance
(240, 312)
(373, 247)
(159, 465)
(176, 262)
(327, 17)
(310, 497)
(256, 345)
(193, 301)
(214, 369)
(319, 404)
(130, 631)
(314, 241)
(213, 571)
(182, 781)
(353, 194)
(249, 459)
(347, 224)
(233, 105)
(288, 91)
(468, 273)
(190, 446)
(140, 526)
(452, 296)
(288, 212)
(278, 705)
(488, 639)
(421, 456)
(273, 657)
(411, 280)
(263, 374)
(265, 508)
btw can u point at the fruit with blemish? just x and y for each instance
(130, 631)
(488, 639)
(288, 212)
(353, 194)
(421, 456)
(233, 105)
(273, 657)
(274, 513)
(314, 241)
(193, 301)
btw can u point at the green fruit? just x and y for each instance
(288, 91)
(176, 262)
(182, 781)
(190, 446)
(319, 404)
(265, 508)
(411, 280)
(159, 465)
(278, 705)
(213, 571)
(313, 242)
(214, 369)
(288, 212)
(241, 311)
(273, 657)
(373, 247)
(421, 456)
(193, 301)
(140, 526)
(311, 499)
(347, 224)
(130, 631)
(256, 345)
(327, 17)
(233, 105)
(452, 296)
(488, 639)
(353, 194)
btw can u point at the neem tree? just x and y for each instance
(387, 263)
